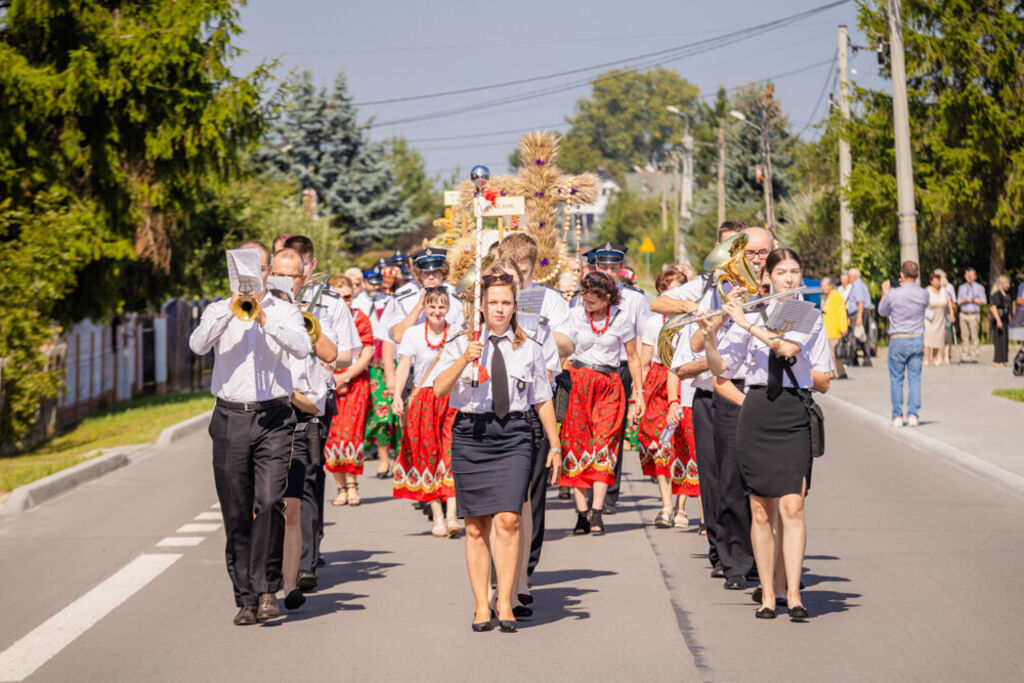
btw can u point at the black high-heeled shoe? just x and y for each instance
(507, 626)
(596, 523)
(522, 612)
(765, 613)
(482, 626)
(582, 523)
(798, 612)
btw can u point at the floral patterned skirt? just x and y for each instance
(382, 429)
(343, 449)
(677, 460)
(423, 469)
(591, 429)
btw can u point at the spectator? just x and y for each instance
(858, 308)
(836, 324)
(970, 297)
(940, 306)
(999, 322)
(1020, 296)
(950, 318)
(905, 307)
(844, 285)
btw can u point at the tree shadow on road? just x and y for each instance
(566, 575)
(554, 604)
(323, 604)
(349, 566)
(825, 601)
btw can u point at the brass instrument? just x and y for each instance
(309, 297)
(246, 308)
(727, 258)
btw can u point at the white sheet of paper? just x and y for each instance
(282, 284)
(793, 315)
(244, 267)
(531, 300)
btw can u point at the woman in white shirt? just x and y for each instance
(672, 465)
(422, 470)
(492, 442)
(773, 439)
(593, 422)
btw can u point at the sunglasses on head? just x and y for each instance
(503, 278)
(435, 290)
(592, 279)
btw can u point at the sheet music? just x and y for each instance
(281, 284)
(531, 300)
(793, 315)
(244, 268)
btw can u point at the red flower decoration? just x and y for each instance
(492, 196)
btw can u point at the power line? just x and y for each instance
(830, 76)
(731, 36)
(546, 126)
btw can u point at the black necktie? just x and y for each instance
(776, 366)
(499, 380)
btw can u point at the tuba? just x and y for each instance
(247, 307)
(309, 298)
(730, 262)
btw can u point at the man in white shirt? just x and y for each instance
(251, 429)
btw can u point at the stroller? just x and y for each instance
(1015, 333)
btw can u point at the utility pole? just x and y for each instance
(676, 200)
(721, 175)
(907, 214)
(686, 190)
(769, 194)
(845, 164)
(664, 198)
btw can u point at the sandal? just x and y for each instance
(596, 523)
(454, 529)
(353, 496)
(702, 530)
(664, 519)
(681, 521)
(342, 498)
(582, 523)
(439, 530)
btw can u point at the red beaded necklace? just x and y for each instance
(426, 336)
(607, 322)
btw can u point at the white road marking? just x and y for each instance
(36, 648)
(209, 516)
(215, 506)
(180, 541)
(197, 528)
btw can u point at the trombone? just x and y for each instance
(309, 297)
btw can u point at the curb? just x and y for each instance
(972, 464)
(47, 488)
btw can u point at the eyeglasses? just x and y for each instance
(294, 277)
(762, 253)
(503, 278)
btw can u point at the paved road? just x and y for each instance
(913, 571)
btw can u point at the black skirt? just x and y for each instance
(773, 443)
(491, 461)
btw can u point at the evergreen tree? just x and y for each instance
(320, 141)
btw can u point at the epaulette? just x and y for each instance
(331, 294)
(630, 285)
(405, 291)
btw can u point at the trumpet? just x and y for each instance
(309, 296)
(246, 308)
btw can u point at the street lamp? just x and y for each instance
(769, 199)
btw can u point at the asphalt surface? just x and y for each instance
(912, 571)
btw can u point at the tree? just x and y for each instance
(320, 142)
(966, 101)
(113, 118)
(417, 190)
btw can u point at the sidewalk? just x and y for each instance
(957, 409)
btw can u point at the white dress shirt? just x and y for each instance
(740, 348)
(362, 301)
(537, 328)
(688, 291)
(555, 309)
(337, 323)
(652, 328)
(605, 348)
(401, 304)
(634, 304)
(252, 363)
(311, 379)
(414, 347)
(528, 382)
(683, 353)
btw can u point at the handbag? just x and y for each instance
(563, 386)
(814, 413)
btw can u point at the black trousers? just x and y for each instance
(612, 498)
(732, 516)
(312, 522)
(250, 470)
(707, 464)
(858, 345)
(538, 491)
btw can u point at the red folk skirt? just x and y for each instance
(677, 461)
(343, 449)
(591, 429)
(423, 468)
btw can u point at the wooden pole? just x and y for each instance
(721, 176)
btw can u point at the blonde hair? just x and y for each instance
(501, 267)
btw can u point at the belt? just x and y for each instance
(603, 369)
(738, 382)
(254, 406)
(488, 417)
(904, 335)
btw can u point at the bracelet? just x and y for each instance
(675, 400)
(776, 343)
(555, 450)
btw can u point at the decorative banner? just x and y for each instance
(451, 197)
(505, 206)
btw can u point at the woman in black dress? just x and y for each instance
(492, 449)
(999, 321)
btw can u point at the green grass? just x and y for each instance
(134, 422)
(1012, 394)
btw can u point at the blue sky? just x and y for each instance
(402, 49)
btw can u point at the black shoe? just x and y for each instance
(295, 599)
(246, 616)
(798, 612)
(702, 530)
(582, 524)
(507, 626)
(758, 594)
(735, 583)
(525, 598)
(320, 561)
(563, 493)
(609, 509)
(765, 613)
(522, 612)
(482, 626)
(383, 475)
(717, 572)
(306, 581)
(596, 523)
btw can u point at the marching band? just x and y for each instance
(474, 414)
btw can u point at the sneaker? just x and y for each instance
(912, 421)
(897, 421)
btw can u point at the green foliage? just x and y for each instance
(629, 220)
(420, 192)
